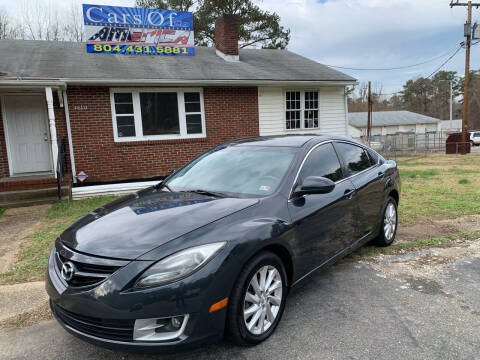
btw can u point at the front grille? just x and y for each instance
(86, 274)
(86, 270)
(120, 330)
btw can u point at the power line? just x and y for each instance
(445, 62)
(394, 68)
(434, 72)
(428, 77)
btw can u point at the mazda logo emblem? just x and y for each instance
(68, 270)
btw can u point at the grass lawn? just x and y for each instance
(33, 257)
(2, 211)
(433, 187)
(439, 187)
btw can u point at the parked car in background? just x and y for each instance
(216, 247)
(475, 138)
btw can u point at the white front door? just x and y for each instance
(27, 136)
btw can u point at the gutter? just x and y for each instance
(62, 84)
(226, 82)
(32, 83)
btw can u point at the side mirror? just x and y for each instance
(315, 185)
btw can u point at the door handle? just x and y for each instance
(380, 174)
(349, 194)
(45, 137)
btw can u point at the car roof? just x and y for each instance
(295, 141)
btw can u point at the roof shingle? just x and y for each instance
(69, 60)
(390, 118)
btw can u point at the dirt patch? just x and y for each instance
(20, 298)
(438, 228)
(468, 223)
(15, 225)
(28, 318)
(425, 263)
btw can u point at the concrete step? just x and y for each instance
(32, 197)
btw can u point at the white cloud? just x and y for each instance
(374, 33)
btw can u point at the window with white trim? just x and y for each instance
(157, 114)
(301, 110)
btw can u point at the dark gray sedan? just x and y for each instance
(215, 248)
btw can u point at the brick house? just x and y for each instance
(124, 117)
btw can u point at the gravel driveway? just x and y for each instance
(420, 305)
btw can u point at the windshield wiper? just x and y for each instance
(162, 184)
(208, 193)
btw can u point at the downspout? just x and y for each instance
(347, 125)
(69, 135)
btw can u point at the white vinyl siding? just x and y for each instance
(332, 112)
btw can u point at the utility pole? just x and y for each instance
(468, 43)
(369, 112)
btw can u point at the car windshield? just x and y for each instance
(243, 170)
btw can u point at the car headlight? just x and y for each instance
(178, 265)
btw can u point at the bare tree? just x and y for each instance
(9, 29)
(73, 27)
(359, 98)
(43, 22)
(4, 24)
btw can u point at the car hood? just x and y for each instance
(131, 226)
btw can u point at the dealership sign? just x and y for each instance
(138, 31)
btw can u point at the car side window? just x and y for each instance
(373, 157)
(322, 161)
(355, 158)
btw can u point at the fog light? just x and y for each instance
(177, 322)
(159, 329)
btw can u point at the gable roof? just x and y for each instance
(390, 118)
(69, 61)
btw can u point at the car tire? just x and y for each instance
(237, 319)
(389, 224)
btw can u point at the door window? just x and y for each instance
(322, 161)
(355, 158)
(373, 157)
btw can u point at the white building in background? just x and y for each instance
(451, 126)
(392, 122)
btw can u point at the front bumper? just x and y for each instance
(105, 314)
(182, 344)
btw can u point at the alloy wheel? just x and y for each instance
(262, 300)
(390, 221)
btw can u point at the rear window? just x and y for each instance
(373, 157)
(355, 158)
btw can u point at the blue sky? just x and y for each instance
(361, 33)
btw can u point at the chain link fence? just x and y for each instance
(407, 144)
